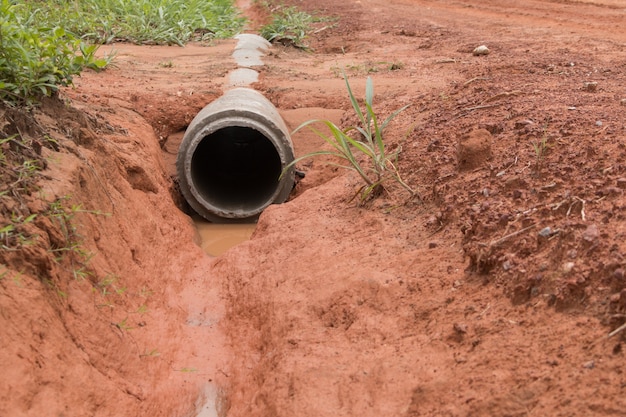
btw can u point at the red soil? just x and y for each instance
(494, 295)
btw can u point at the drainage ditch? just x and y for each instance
(229, 163)
(230, 166)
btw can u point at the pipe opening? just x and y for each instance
(236, 168)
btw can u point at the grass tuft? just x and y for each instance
(289, 26)
(362, 147)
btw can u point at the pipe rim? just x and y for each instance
(281, 142)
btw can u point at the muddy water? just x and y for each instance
(216, 239)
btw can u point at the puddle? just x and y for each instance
(218, 238)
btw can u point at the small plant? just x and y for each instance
(72, 248)
(186, 370)
(123, 325)
(367, 154)
(289, 27)
(541, 147)
(17, 280)
(19, 165)
(106, 285)
(37, 58)
(11, 236)
(153, 352)
(145, 292)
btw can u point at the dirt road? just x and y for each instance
(492, 295)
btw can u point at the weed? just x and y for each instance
(37, 57)
(153, 352)
(143, 309)
(123, 325)
(44, 45)
(72, 248)
(186, 370)
(142, 21)
(63, 218)
(380, 165)
(541, 148)
(12, 237)
(289, 26)
(105, 284)
(145, 292)
(17, 280)
(50, 283)
(81, 273)
(19, 165)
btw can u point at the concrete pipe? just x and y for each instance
(231, 157)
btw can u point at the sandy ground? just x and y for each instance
(492, 295)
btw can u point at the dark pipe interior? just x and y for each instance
(236, 167)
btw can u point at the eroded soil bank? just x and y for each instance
(494, 295)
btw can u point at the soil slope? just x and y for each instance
(492, 294)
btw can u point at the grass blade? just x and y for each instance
(369, 92)
(355, 103)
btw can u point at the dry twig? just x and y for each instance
(616, 331)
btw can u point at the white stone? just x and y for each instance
(481, 50)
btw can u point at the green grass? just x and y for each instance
(37, 58)
(123, 325)
(19, 166)
(361, 147)
(151, 352)
(71, 249)
(141, 21)
(12, 236)
(541, 148)
(45, 44)
(289, 26)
